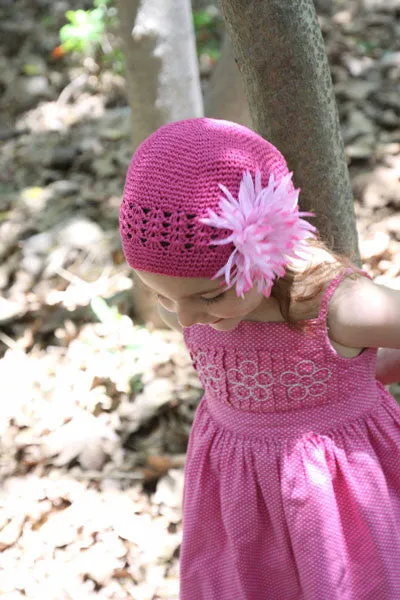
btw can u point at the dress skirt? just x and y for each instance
(302, 505)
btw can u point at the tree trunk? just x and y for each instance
(163, 83)
(161, 63)
(225, 97)
(281, 54)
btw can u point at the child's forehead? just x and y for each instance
(179, 287)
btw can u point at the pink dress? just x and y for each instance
(292, 481)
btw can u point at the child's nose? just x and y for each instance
(188, 316)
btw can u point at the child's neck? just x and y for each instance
(267, 311)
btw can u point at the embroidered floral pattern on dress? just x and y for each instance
(247, 382)
(306, 380)
(246, 385)
(209, 375)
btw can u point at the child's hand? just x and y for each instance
(388, 366)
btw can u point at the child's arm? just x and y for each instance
(169, 318)
(363, 314)
(388, 366)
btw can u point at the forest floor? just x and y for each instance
(96, 408)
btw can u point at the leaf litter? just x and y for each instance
(96, 407)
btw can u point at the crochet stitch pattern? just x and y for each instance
(172, 182)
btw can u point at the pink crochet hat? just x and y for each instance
(172, 182)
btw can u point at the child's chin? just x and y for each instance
(226, 324)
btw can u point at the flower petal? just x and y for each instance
(267, 230)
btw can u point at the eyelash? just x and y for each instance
(215, 299)
(206, 300)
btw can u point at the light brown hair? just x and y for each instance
(299, 293)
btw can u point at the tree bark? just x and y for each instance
(163, 84)
(161, 63)
(281, 54)
(225, 97)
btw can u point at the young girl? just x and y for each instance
(292, 481)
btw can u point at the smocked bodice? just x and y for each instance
(273, 367)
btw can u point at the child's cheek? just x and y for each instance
(239, 309)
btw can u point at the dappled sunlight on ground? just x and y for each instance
(96, 408)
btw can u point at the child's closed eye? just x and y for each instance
(214, 299)
(162, 298)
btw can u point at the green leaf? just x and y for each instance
(202, 19)
(214, 53)
(85, 29)
(105, 314)
(47, 21)
(70, 15)
(81, 17)
(31, 69)
(136, 384)
(102, 3)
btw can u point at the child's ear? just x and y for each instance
(169, 318)
(145, 304)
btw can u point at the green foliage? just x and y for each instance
(48, 21)
(115, 59)
(102, 3)
(84, 31)
(208, 26)
(105, 314)
(367, 47)
(136, 384)
(203, 18)
(87, 33)
(31, 69)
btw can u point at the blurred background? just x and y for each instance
(97, 399)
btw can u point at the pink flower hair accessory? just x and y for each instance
(267, 232)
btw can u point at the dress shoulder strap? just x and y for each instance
(324, 306)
